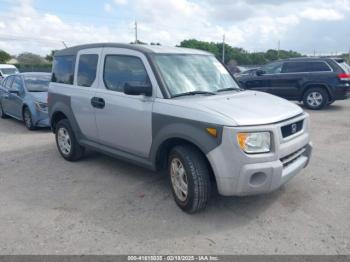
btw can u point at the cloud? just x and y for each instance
(108, 8)
(120, 2)
(322, 14)
(28, 30)
(251, 24)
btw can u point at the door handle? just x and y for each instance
(98, 102)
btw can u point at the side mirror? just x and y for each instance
(14, 90)
(137, 89)
(260, 72)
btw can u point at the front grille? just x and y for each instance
(292, 129)
(287, 160)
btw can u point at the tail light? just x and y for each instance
(344, 77)
(48, 98)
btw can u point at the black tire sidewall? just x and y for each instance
(324, 96)
(3, 114)
(31, 127)
(194, 165)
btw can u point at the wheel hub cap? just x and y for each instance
(179, 179)
(314, 99)
(64, 141)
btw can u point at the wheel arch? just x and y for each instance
(163, 151)
(56, 117)
(321, 85)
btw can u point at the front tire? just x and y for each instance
(189, 178)
(315, 98)
(28, 120)
(66, 142)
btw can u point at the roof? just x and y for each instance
(33, 73)
(6, 66)
(147, 49)
(305, 58)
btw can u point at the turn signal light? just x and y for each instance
(212, 131)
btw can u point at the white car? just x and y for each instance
(6, 70)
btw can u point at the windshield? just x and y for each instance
(193, 73)
(37, 83)
(9, 71)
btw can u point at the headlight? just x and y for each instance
(42, 107)
(255, 142)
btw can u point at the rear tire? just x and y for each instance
(2, 113)
(315, 98)
(66, 141)
(189, 178)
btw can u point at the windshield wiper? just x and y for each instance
(229, 89)
(194, 93)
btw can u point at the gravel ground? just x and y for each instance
(104, 206)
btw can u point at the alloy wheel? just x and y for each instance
(179, 179)
(64, 141)
(314, 99)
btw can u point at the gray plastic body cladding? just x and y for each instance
(62, 103)
(165, 127)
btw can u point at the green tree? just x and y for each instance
(241, 56)
(4, 56)
(30, 59)
(49, 57)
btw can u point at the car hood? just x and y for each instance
(39, 96)
(248, 107)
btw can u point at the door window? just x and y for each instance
(8, 82)
(294, 67)
(273, 68)
(121, 69)
(87, 68)
(18, 84)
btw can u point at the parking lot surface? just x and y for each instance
(105, 206)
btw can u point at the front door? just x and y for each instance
(124, 122)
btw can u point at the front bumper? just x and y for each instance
(41, 119)
(239, 174)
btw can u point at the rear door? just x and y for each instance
(125, 121)
(85, 85)
(288, 83)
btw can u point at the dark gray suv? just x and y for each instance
(315, 81)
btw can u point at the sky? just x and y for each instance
(306, 26)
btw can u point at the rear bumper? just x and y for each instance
(342, 92)
(239, 174)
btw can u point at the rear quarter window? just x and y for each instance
(63, 70)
